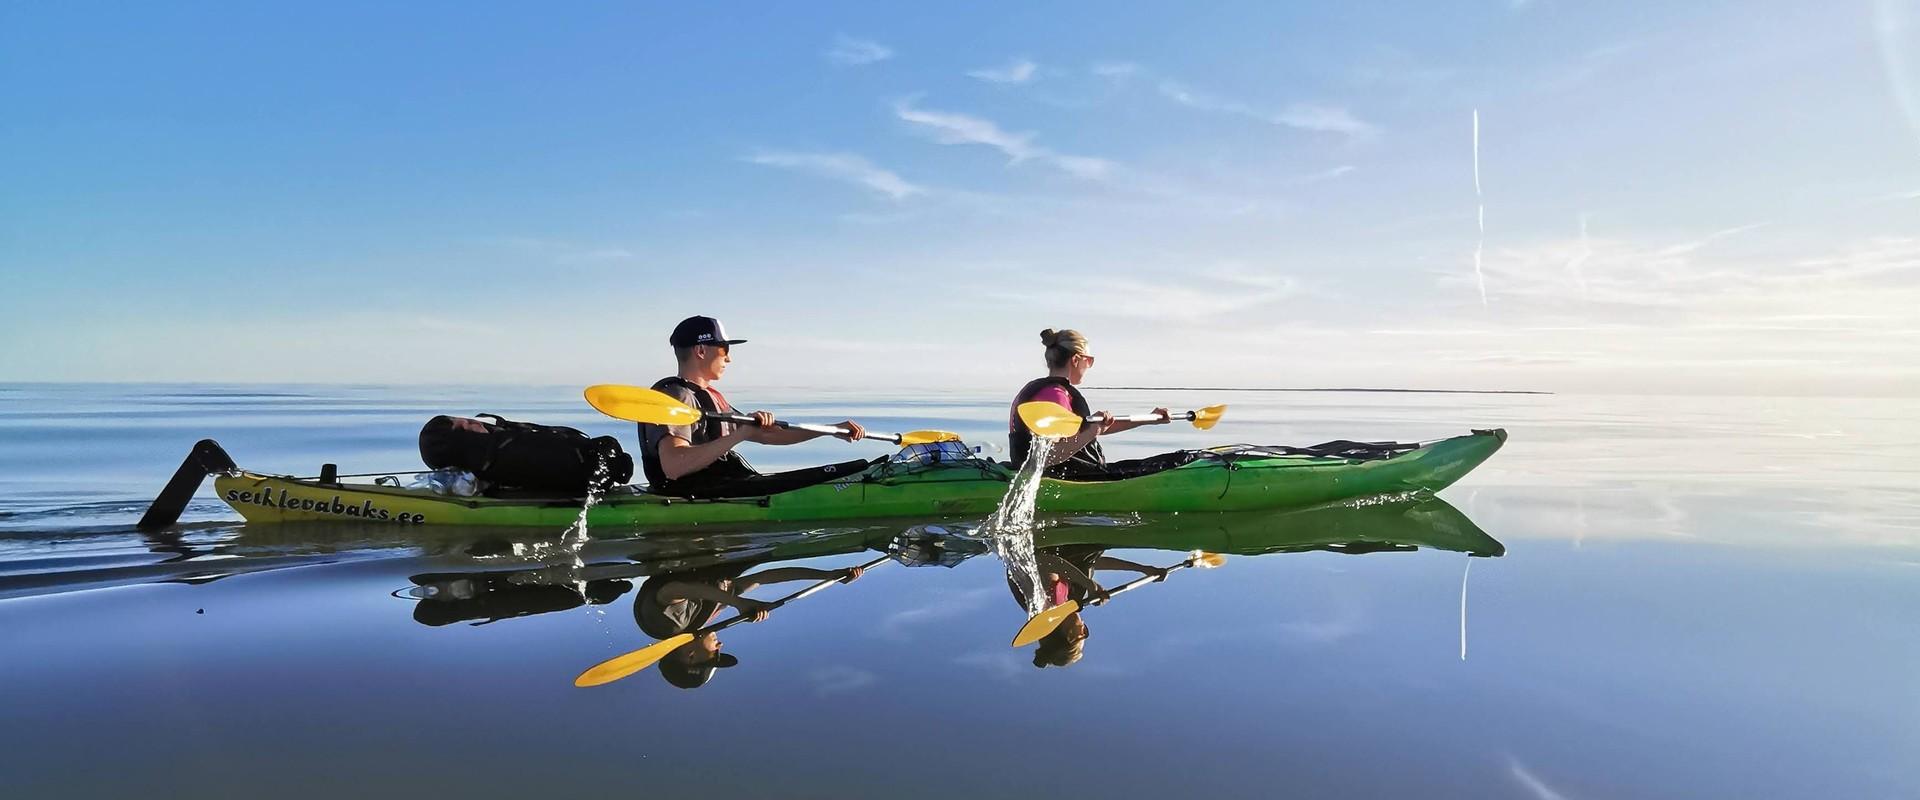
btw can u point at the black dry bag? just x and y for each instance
(522, 455)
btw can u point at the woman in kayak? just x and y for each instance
(1076, 456)
(1066, 573)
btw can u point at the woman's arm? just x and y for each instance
(1065, 448)
(1121, 427)
(1108, 562)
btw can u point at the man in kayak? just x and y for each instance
(671, 604)
(1077, 456)
(699, 460)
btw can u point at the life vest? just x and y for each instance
(706, 430)
(1020, 440)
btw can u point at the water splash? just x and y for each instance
(1010, 528)
(1480, 244)
(565, 551)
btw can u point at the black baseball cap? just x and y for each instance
(700, 330)
(687, 668)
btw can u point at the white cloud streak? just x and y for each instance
(1299, 116)
(846, 167)
(848, 51)
(1019, 70)
(840, 680)
(948, 127)
(1197, 295)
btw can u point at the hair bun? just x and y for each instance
(1049, 336)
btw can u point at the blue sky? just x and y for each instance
(1697, 197)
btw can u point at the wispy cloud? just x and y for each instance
(1200, 294)
(1019, 70)
(948, 127)
(897, 624)
(840, 679)
(563, 252)
(1114, 70)
(851, 52)
(842, 167)
(1300, 116)
(1325, 174)
(1003, 664)
(1532, 783)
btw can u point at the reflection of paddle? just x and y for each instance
(636, 404)
(621, 666)
(1055, 420)
(1044, 622)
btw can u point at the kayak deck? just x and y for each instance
(1221, 481)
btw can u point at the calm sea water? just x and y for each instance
(1666, 597)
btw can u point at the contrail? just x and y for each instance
(1463, 607)
(1480, 244)
(1580, 258)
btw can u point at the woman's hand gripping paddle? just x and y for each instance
(637, 404)
(1046, 621)
(1059, 422)
(621, 666)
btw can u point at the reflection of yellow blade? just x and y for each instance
(618, 667)
(927, 437)
(636, 404)
(1044, 622)
(1049, 419)
(1208, 560)
(1206, 418)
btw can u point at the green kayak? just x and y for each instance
(1221, 479)
(481, 588)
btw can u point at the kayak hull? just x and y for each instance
(1264, 483)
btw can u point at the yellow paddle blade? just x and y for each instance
(927, 437)
(618, 667)
(1206, 418)
(636, 404)
(1208, 560)
(1044, 622)
(1049, 419)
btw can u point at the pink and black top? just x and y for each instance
(1054, 390)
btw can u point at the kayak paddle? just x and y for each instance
(1044, 622)
(621, 666)
(1055, 420)
(636, 404)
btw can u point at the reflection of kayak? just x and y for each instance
(1217, 481)
(486, 592)
(1429, 522)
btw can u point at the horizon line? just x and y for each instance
(1305, 389)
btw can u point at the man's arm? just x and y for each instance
(678, 458)
(779, 436)
(767, 577)
(694, 590)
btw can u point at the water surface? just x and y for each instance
(1638, 597)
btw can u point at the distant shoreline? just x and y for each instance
(1244, 389)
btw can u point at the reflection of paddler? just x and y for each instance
(671, 604)
(1066, 574)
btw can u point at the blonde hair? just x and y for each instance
(1062, 346)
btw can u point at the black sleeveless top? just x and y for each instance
(1020, 440)
(706, 430)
